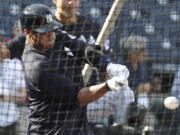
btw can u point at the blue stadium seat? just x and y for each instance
(11, 9)
(87, 6)
(164, 27)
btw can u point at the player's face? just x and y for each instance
(47, 40)
(44, 41)
(67, 8)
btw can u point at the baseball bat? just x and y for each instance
(104, 33)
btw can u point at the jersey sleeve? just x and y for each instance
(91, 53)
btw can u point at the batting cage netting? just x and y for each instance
(41, 89)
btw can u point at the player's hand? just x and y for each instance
(117, 83)
(117, 70)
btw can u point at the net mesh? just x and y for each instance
(155, 24)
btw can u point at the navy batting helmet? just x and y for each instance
(39, 18)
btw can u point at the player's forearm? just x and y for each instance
(92, 93)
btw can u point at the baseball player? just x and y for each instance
(57, 98)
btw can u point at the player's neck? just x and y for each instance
(66, 20)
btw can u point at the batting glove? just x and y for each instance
(117, 83)
(119, 76)
(117, 70)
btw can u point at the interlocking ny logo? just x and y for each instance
(49, 18)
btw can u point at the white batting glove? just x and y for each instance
(117, 83)
(119, 76)
(117, 70)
